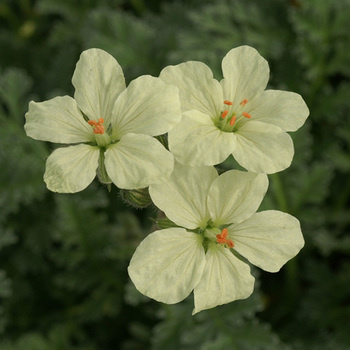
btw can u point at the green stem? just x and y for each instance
(291, 283)
(279, 192)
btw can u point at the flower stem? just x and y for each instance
(291, 278)
(279, 192)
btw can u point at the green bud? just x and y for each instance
(139, 198)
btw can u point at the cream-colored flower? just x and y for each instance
(109, 127)
(217, 226)
(234, 116)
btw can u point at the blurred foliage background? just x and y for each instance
(64, 258)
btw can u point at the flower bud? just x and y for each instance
(139, 198)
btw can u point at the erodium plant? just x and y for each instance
(214, 231)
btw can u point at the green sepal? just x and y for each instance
(163, 139)
(164, 223)
(101, 170)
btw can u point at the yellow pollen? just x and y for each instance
(229, 103)
(244, 102)
(246, 115)
(224, 114)
(97, 126)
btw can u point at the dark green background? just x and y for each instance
(63, 258)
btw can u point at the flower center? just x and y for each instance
(229, 117)
(222, 238)
(97, 126)
(102, 138)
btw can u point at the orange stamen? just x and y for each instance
(222, 238)
(233, 120)
(246, 115)
(244, 102)
(97, 126)
(229, 103)
(230, 243)
(224, 114)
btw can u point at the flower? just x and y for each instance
(217, 225)
(110, 127)
(234, 116)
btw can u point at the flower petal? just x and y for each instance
(183, 197)
(197, 141)
(148, 106)
(263, 148)
(246, 73)
(98, 80)
(224, 279)
(57, 120)
(268, 239)
(282, 108)
(235, 196)
(168, 264)
(137, 161)
(71, 169)
(198, 89)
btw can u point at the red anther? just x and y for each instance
(233, 120)
(229, 103)
(246, 115)
(224, 114)
(244, 102)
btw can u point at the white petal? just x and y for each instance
(246, 74)
(168, 264)
(198, 89)
(183, 197)
(282, 108)
(148, 106)
(263, 148)
(57, 120)
(236, 195)
(224, 279)
(137, 161)
(197, 141)
(268, 239)
(98, 80)
(71, 169)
